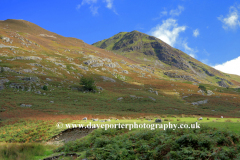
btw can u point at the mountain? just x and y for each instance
(150, 50)
(135, 74)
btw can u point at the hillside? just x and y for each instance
(135, 74)
(157, 54)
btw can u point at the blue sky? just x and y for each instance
(207, 30)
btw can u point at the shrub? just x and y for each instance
(2, 70)
(178, 119)
(203, 88)
(208, 119)
(165, 119)
(45, 87)
(88, 84)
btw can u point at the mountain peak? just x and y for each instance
(148, 49)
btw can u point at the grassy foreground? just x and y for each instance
(216, 139)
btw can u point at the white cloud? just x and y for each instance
(109, 3)
(232, 19)
(86, 2)
(168, 31)
(93, 8)
(164, 13)
(177, 12)
(231, 67)
(196, 33)
(192, 52)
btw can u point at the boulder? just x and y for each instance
(209, 92)
(200, 102)
(158, 120)
(152, 98)
(108, 79)
(85, 118)
(99, 88)
(120, 98)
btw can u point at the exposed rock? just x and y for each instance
(1, 87)
(51, 102)
(38, 92)
(175, 75)
(27, 70)
(111, 65)
(125, 71)
(123, 62)
(120, 98)
(25, 105)
(209, 92)
(31, 79)
(2, 81)
(200, 102)
(223, 83)
(152, 98)
(48, 79)
(99, 88)
(200, 118)
(133, 96)
(97, 65)
(85, 118)
(17, 86)
(108, 79)
(83, 67)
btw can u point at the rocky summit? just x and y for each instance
(163, 59)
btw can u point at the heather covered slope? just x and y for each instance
(157, 81)
(149, 50)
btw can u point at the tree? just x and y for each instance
(45, 88)
(203, 88)
(88, 84)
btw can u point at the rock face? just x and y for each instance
(223, 83)
(175, 75)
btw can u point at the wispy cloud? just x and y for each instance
(109, 4)
(232, 19)
(94, 9)
(231, 66)
(196, 33)
(190, 51)
(168, 31)
(176, 12)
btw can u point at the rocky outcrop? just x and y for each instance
(176, 75)
(107, 79)
(200, 102)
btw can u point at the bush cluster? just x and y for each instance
(204, 143)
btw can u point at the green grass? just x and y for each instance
(21, 151)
